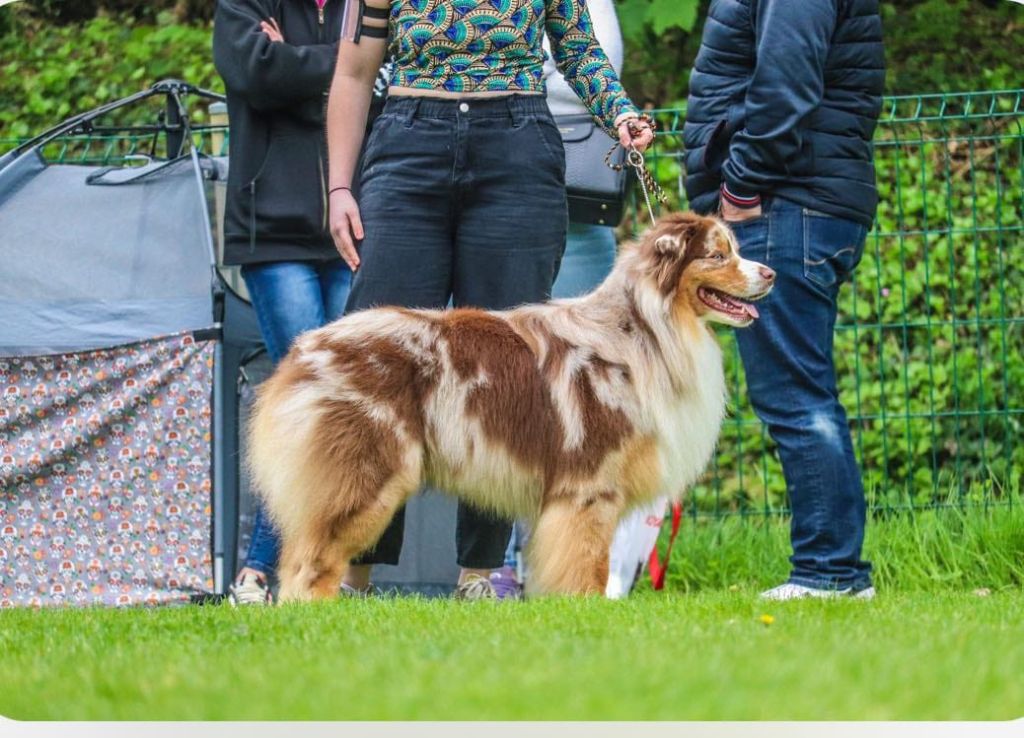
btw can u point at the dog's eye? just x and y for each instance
(717, 256)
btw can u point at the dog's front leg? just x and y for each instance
(568, 551)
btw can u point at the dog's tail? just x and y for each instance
(279, 439)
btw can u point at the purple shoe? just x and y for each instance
(505, 584)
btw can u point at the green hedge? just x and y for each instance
(52, 72)
(930, 45)
(58, 56)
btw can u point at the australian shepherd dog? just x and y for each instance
(565, 414)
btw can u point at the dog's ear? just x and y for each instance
(667, 245)
(676, 244)
(675, 237)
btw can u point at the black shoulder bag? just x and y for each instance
(596, 192)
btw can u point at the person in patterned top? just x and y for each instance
(461, 193)
(465, 45)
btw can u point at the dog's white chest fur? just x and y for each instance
(688, 424)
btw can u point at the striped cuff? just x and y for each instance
(744, 202)
(625, 115)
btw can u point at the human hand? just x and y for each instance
(346, 226)
(272, 30)
(635, 133)
(732, 214)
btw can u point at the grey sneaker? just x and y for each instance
(475, 588)
(349, 591)
(790, 591)
(251, 589)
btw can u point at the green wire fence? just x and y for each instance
(930, 340)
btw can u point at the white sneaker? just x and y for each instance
(251, 589)
(790, 591)
(475, 588)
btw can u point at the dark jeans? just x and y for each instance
(290, 297)
(787, 356)
(461, 202)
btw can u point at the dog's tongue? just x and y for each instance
(752, 311)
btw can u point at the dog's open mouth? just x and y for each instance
(727, 304)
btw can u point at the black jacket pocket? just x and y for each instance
(287, 196)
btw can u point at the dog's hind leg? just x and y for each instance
(568, 551)
(312, 565)
(315, 558)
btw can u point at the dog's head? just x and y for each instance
(694, 262)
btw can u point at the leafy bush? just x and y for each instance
(62, 12)
(954, 45)
(931, 45)
(57, 56)
(50, 72)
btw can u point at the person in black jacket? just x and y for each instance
(784, 99)
(277, 59)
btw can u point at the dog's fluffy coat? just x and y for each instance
(565, 414)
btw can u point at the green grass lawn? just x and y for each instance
(928, 648)
(706, 656)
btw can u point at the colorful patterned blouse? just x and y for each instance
(476, 45)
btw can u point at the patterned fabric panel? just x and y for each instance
(105, 475)
(483, 45)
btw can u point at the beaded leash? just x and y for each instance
(635, 159)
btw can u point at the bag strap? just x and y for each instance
(655, 568)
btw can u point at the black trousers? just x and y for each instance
(461, 203)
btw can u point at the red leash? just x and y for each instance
(654, 565)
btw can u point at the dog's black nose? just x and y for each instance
(767, 274)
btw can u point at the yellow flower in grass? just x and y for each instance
(767, 619)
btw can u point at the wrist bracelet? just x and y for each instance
(335, 189)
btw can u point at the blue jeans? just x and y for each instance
(589, 257)
(787, 356)
(290, 297)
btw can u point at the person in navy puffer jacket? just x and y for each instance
(784, 99)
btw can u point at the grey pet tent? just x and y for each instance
(127, 358)
(118, 351)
